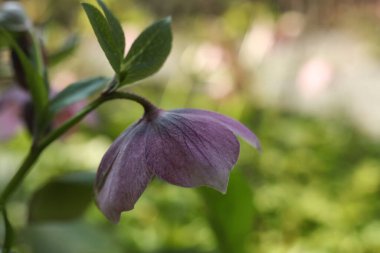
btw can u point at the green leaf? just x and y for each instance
(148, 52)
(231, 215)
(77, 92)
(3, 43)
(69, 237)
(105, 36)
(64, 51)
(37, 85)
(115, 27)
(62, 199)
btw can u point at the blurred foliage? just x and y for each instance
(315, 188)
(231, 216)
(62, 199)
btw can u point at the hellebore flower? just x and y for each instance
(185, 147)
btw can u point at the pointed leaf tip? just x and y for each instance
(115, 27)
(107, 33)
(148, 52)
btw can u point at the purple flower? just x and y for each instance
(185, 147)
(11, 112)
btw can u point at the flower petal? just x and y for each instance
(9, 121)
(11, 104)
(192, 152)
(122, 174)
(233, 125)
(109, 157)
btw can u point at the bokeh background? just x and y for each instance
(303, 75)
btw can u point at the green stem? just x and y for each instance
(39, 147)
(8, 234)
(28, 162)
(148, 106)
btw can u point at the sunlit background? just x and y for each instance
(303, 75)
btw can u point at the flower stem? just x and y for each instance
(8, 234)
(24, 168)
(39, 146)
(148, 106)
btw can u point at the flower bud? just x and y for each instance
(13, 17)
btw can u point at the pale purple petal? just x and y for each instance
(9, 121)
(126, 175)
(110, 156)
(233, 125)
(11, 103)
(191, 152)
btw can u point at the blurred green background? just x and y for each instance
(303, 75)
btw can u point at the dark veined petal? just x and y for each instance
(123, 174)
(191, 152)
(109, 157)
(233, 125)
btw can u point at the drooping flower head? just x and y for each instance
(185, 147)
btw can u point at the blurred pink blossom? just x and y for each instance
(314, 77)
